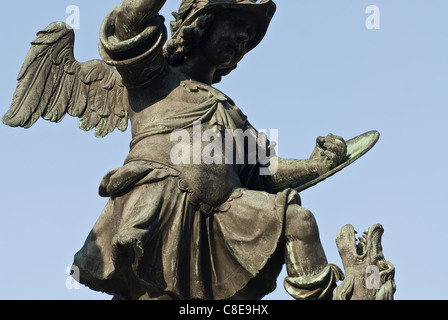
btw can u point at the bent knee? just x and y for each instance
(300, 223)
(297, 215)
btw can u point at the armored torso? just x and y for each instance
(197, 130)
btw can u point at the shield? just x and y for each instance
(356, 148)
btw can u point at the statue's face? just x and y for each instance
(224, 45)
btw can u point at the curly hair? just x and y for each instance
(179, 47)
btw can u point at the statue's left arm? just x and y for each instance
(291, 173)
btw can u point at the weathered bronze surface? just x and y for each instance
(189, 221)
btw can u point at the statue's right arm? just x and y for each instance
(133, 16)
(132, 39)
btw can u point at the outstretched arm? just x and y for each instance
(330, 151)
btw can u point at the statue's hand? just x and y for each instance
(133, 15)
(330, 151)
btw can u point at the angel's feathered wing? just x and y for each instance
(52, 83)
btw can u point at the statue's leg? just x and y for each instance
(309, 274)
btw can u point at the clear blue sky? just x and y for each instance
(319, 70)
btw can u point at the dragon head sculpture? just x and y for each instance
(368, 276)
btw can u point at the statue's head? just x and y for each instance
(212, 21)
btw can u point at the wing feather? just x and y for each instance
(120, 96)
(28, 95)
(99, 102)
(51, 84)
(90, 118)
(78, 103)
(60, 99)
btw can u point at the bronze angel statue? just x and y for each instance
(215, 229)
